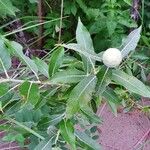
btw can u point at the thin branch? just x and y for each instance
(2, 80)
(32, 26)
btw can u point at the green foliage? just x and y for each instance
(56, 61)
(3, 88)
(30, 93)
(130, 82)
(45, 98)
(7, 8)
(131, 42)
(67, 131)
(44, 145)
(5, 59)
(87, 140)
(68, 76)
(85, 42)
(17, 50)
(42, 67)
(80, 95)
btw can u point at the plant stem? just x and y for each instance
(2, 80)
(4, 68)
(61, 17)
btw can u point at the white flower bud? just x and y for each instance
(112, 57)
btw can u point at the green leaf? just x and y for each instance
(7, 8)
(131, 41)
(33, 1)
(80, 95)
(103, 77)
(30, 92)
(83, 37)
(67, 131)
(68, 76)
(5, 60)
(129, 2)
(44, 145)
(84, 40)
(78, 48)
(130, 82)
(111, 25)
(56, 61)
(87, 140)
(90, 115)
(113, 107)
(70, 7)
(110, 95)
(92, 13)
(25, 127)
(3, 89)
(42, 67)
(1, 107)
(55, 119)
(11, 137)
(18, 50)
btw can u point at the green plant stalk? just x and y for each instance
(143, 1)
(61, 18)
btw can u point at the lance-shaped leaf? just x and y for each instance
(67, 131)
(113, 107)
(68, 76)
(87, 140)
(45, 144)
(80, 95)
(5, 60)
(84, 40)
(30, 92)
(17, 49)
(130, 82)
(103, 77)
(91, 115)
(78, 48)
(42, 67)
(131, 42)
(56, 61)
(110, 95)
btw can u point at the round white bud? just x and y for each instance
(112, 57)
